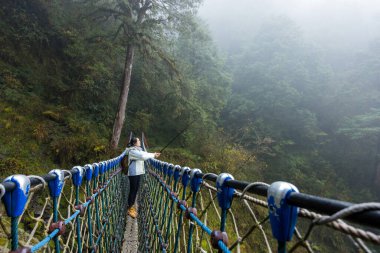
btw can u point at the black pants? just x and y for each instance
(134, 184)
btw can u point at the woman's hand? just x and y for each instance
(156, 155)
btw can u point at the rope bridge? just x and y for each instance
(77, 210)
(180, 210)
(172, 193)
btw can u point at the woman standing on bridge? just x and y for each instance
(136, 158)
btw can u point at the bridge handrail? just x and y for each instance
(314, 203)
(34, 182)
(97, 177)
(282, 217)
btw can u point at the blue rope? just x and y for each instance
(54, 235)
(223, 247)
(72, 217)
(201, 224)
(55, 232)
(44, 241)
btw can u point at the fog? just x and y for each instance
(305, 74)
(337, 25)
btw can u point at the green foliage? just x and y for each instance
(287, 116)
(61, 94)
(361, 126)
(318, 134)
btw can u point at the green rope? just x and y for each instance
(55, 219)
(191, 225)
(89, 223)
(179, 222)
(78, 221)
(166, 206)
(14, 232)
(171, 214)
(98, 226)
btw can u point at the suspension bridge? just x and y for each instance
(179, 210)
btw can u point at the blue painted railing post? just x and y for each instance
(55, 189)
(77, 181)
(282, 216)
(225, 195)
(14, 202)
(195, 183)
(185, 177)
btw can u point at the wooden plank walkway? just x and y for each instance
(131, 243)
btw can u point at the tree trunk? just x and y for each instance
(120, 114)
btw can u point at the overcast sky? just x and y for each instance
(331, 23)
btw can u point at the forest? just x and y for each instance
(273, 105)
(264, 98)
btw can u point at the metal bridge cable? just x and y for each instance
(327, 206)
(357, 208)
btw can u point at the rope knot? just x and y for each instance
(60, 225)
(80, 208)
(190, 210)
(182, 202)
(174, 194)
(217, 236)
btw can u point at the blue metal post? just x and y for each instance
(14, 202)
(55, 189)
(283, 217)
(77, 181)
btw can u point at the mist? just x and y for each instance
(305, 78)
(339, 25)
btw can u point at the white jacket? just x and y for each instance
(136, 158)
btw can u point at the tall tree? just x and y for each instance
(141, 23)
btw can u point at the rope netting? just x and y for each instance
(81, 210)
(182, 211)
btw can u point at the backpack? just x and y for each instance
(124, 163)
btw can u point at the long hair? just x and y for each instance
(132, 142)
